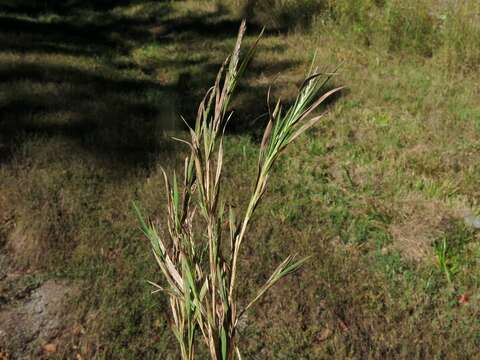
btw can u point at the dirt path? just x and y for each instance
(33, 321)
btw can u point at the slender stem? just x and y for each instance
(260, 185)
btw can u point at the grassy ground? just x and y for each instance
(377, 193)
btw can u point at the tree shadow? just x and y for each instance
(37, 7)
(52, 85)
(107, 116)
(283, 17)
(73, 38)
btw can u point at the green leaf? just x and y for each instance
(224, 343)
(140, 218)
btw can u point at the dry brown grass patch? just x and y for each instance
(419, 221)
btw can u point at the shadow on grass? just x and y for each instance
(58, 77)
(37, 7)
(107, 115)
(53, 81)
(64, 37)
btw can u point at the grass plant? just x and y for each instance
(442, 255)
(200, 269)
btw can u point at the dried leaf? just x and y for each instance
(50, 348)
(324, 334)
(319, 101)
(464, 299)
(266, 135)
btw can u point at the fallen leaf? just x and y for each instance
(78, 329)
(343, 325)
(324, 334)
(464, 299)
(50, 348)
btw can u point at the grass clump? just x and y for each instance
(461, 37)
(276, 14)
(411, 26)
(359, 17)
(199, 267)
(286, 14)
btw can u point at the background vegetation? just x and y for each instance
(377, 192)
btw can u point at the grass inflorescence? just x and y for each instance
(202, 294)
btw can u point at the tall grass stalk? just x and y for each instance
(201, 269)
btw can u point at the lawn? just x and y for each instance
(377, 193)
